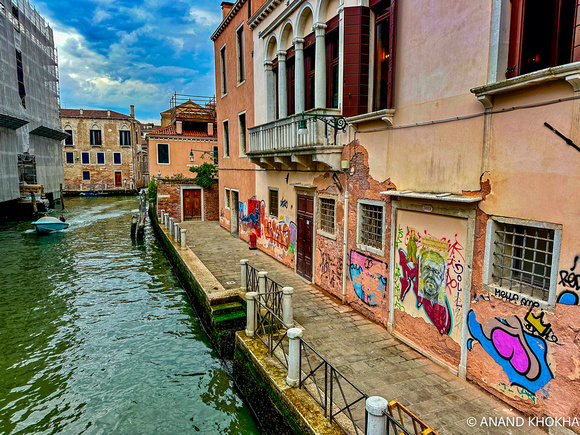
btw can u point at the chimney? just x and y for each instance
(132, 111)
(108, 113)
(178, 127)
(210, 128)
(226, 7)
(81, 112)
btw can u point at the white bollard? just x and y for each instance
(294, 335)
(244, 264)
(287, 309)
(163, 217)
(177, 233)
(166, 221)
(377, 420)
(250, 314)
(262, 282)
(183, 231)
(171, 226)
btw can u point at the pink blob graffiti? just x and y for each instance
(511, 348)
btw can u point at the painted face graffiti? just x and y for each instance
(368, 276)
(521, 355)
(432, 276)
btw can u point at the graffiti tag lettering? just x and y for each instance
(368, 276)
(570, 278)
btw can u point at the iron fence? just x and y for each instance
(270, 328)
(251, 278)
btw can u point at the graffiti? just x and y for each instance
(514, 298)
(368, 276)
(330, 267)
(280, 234)
(569, 278)
(521, 354)
(283, 202)
(437, 310)
(252, 220)
(455, 262)
(397, 275)
(518, 391)
(481, 297)
(568, 298)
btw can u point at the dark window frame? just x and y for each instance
(226, 137)
(70, 158)
(332, 61)
(159, 162)
(125, 138)
(86, 175)
(243, 131)
(86, 161)
(223, 70)
(95, 137)
(273, 202)
(99, 162)
(240, 54)
(384, 67)
(69, 141)
(309, 71)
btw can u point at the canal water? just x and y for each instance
(97, 336)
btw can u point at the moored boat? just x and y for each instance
(49, 224)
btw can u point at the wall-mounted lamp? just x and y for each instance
(159, 174)
(335, 121)
(191, 155)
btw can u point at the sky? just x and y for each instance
(114, 53)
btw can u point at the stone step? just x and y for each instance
(229, 319)
(226, 308)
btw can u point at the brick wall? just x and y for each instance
(169, 199)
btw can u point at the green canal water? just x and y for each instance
(97, 336)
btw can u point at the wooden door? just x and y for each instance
(118, 179)
(305, 221)
(192, 204)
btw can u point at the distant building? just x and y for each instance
(29, 101)
(99, 153)
(187, 138)
(142, 156)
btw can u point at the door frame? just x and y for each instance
(181, 204)
(235, 210)
(115, 178)
(312, 194)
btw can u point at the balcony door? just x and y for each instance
(305, 220)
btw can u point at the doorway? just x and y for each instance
(305, 221)
(118, 179)
(234, 206)
(192, 204)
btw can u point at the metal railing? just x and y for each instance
(405, 417)
(270, 328)
(251, 278)
(333, 391)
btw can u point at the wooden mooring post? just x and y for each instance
(139, 232)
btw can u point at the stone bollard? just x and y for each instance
(244, 264)
(182, 238)
(171, 226)
(262, 282)
(251, 314)
(177, 233)
(166, 220)
(294, 336)
(162, 217)
(287, 309)
(377, 420)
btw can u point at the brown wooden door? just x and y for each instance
(192, 204)
(305, 221)
(118, 179)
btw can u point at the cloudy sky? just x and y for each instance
(114, 53)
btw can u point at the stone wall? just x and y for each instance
(169, 198)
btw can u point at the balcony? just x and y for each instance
(277, 145)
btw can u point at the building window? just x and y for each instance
(327, 210)
(541, 35)
(332, 68)
(117, 158)
(242, 133)
(273, 201)
(86, 175)
(100, 158)
(223, 70)
(309, 62)
(226, 139)
(96, 137)
(162, 153)
(125, 138)
(70, 158)
(85, 158)
(240, 52)
(215, 155)
(523, 257)
(20, 73)
(290, 80)
(384, 49)
(69, 140)
(227, 198)
(370, 226)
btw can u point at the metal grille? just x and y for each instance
(327, 215)
(273, 202)
(522, 259)
(371, 226)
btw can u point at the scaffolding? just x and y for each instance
(192, 108)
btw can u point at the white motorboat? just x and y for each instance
(49, 224)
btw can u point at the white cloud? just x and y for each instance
(204, 18)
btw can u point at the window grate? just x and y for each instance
(522, 259)
(371, 229)
(327, 215)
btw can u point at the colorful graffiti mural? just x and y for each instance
(521, 352)
(251, 219)
(279, 233)
(369, 277)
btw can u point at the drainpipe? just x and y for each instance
(345, 233)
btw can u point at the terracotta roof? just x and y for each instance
(92, 113)
(170, 131)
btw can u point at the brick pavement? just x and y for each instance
(363, 351)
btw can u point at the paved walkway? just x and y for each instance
(363, 351)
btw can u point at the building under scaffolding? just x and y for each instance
(30, 134)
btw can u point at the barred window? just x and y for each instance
(273, 200)
(370, 225)
(522, 259)
(327, 214)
